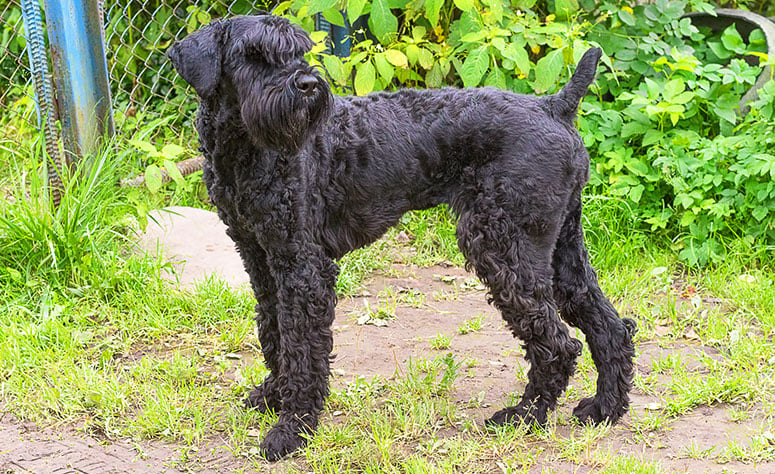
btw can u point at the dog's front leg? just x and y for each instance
(306, 301)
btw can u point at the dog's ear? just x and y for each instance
(198, 58)
(277, 40)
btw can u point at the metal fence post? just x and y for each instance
(81, 73)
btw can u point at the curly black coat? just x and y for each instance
(301, 177)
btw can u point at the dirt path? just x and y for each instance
(26, 448)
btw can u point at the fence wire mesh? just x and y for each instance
(17, 104)
(137, 33)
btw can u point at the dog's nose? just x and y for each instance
(306, 83)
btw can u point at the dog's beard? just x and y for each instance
(282, 118)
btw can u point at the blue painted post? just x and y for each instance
(81, 73)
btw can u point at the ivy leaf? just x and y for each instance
(432, 9)
(383, 22)
(474, 67)
(548, 69)
(153, 178)
(365, 77)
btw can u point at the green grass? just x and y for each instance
(92, 335)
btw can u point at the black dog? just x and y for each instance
(301, 177)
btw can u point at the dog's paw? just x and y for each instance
(532, 416)
(281, 441)
(263, 399)
(591, 411)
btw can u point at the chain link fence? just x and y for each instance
(17, 104)
(146, 92)
(137, 33)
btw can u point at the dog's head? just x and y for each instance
(258, 62)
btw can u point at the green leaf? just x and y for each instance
(565, 9)
(636, 192)
(719, 50)
(726, 114)
(317, 6)
(412, 53)
(153, 178)
(384, 67)
(634, 128)
(760, 212)
(435, 76)
(732, 40)
(432, 9)
(464, 5)
(548, 70)
(673, 88)
(473, 37)
(335, 68)
(425, 58)
(144, 146)
(496, 78)
(334, 17)
(383, 22)
(474, 67)
(626, 17)
(638, 167)
(397, 58)
(354, 9)
(516, 54)
(171, 151)
(652, 136)
(173, 172)
(365, 77)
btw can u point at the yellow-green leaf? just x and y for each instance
(397, 58)
(365, 78)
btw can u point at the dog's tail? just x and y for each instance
(565, 102)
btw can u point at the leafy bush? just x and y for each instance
(664, 128)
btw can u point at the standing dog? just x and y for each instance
(301, 177)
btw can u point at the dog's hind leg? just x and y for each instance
(582, 303)
(265, 396)
(511, 250)
(306, 300)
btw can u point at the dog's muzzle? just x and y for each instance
(306, 84)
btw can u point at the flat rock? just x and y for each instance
(195, 242)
